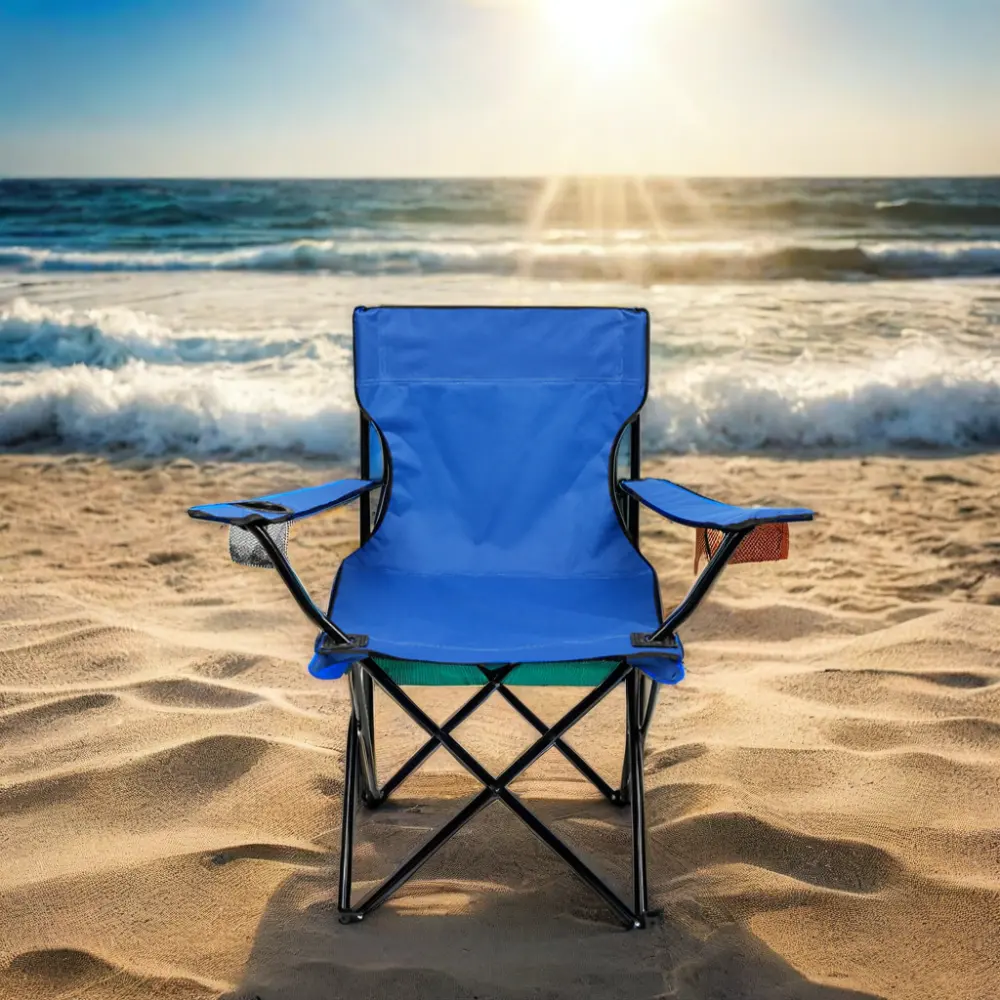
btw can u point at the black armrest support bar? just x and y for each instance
(299, 592)
(698, 590)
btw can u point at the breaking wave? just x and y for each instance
(33, 334)
(922, 397)
(674, 262)
(157, 411)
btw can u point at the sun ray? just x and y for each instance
(626, 221)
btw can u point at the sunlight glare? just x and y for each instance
(601, 32)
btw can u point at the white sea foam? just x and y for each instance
(920, 397)
(111, 337)
(726, 376)
(192, 411)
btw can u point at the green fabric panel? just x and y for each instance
(587, 673)
(405, 672)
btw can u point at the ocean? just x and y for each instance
(212, 317)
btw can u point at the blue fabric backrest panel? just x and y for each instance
(499, 425)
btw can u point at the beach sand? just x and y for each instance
(823, 789)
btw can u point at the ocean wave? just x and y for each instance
(164, 215)
(629, 261)
(922, 397)
(32, 334)
(156, 411)
(939, 213)
(178, 215)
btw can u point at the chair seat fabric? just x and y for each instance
(456, 619)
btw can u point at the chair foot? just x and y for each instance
(619, 798)
(351, 917)
(372, 801)
(651, 918)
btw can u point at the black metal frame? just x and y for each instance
(360, 770)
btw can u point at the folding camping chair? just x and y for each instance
(501, 549)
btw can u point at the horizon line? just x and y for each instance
(501, 177)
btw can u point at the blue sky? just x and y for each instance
(471, 87)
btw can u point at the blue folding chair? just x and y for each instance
(501, 548)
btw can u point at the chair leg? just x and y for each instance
(347, 824)
(611, 794)
(453, 722)
(624, 788)
(640, 892)
(363, 700)
(494, 682)
(648, 691)
(623, 797)
(369, 692)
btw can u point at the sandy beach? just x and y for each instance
(823, 789)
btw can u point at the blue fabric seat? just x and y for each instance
(497, 620)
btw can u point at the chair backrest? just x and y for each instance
(499, 425)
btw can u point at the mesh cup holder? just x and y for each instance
(245, 550)
(766, 543)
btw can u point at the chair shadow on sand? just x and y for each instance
(495, 916)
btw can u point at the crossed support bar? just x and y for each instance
(360, 766)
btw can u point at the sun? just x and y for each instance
(602, 33)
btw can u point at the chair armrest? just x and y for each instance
(280, 507)
(687, 507)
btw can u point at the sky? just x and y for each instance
(404, 88)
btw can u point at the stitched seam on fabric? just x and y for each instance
(526, 645)
(617, 376)
(443, 380)
(503, 576)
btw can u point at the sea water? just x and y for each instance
(213, 317)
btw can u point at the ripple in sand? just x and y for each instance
(741, 838)
(28, 718)
(188, 693)
(952, 679)
(278, 853)
(179, 773)
(70, 972)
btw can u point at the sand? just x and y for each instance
(823, 789)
